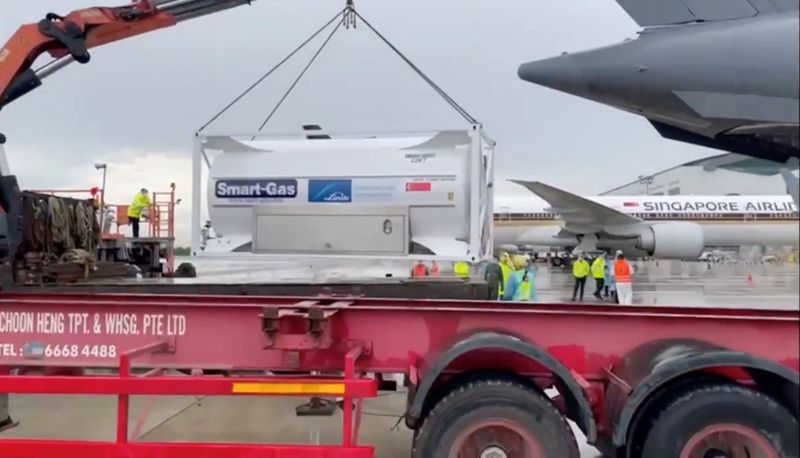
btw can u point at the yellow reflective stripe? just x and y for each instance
(288, 388)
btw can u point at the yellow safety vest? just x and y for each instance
(580, 269)
(598, 268)
(506, 274)
(523, 292)
(140, 202)
(461, 269)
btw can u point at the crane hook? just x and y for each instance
(349, 18)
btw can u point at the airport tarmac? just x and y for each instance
(677, 283)
(245, 419)
(740, 284)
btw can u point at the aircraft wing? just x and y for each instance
(577, 211)
(649, 13)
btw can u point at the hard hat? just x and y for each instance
(519, 261)
(619, 252)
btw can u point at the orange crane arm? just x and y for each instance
(68, 38)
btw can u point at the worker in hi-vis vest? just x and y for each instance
(599, 274)
(609, 283)
(141, 201)
(461, 269)
(507, 267)
(420, 270)
(519, 286)
(495, 278)
(624, 277)
(580, 270)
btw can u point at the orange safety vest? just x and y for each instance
(419, 270)
(622, 271)
(435, 270)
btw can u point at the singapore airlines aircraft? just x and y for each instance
(658, 226)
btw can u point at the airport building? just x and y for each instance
(724, 174)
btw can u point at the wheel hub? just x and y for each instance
(496, 438)
(728, 441)
(494, 452)
(714, 453)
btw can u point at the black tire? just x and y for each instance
(186, 270)
(731, 410)
(476, 405)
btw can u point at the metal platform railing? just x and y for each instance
(352, 388)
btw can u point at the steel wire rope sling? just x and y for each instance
(346, 18)
(61, 224)
(84, 226)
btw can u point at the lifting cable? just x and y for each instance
(343, 14)
(270, 72)
(459, 109)
(346, 18)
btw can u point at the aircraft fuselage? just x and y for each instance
(731, 85)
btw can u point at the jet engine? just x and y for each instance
(672, 240)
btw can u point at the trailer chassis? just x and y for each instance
(476, 370)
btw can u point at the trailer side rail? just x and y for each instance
(351, 388)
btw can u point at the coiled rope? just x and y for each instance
(55, 225)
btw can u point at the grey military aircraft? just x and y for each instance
(721, 74)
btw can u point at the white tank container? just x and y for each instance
(429, 174)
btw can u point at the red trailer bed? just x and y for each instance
(616, 368)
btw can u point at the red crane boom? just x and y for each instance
(68, 38)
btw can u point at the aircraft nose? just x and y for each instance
(560, 73)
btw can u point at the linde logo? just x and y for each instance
(256, 189)
(330, 190)
(719, 206)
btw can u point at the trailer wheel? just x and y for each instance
(722, 421)
(495, 419)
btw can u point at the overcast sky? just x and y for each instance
(138, 102)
